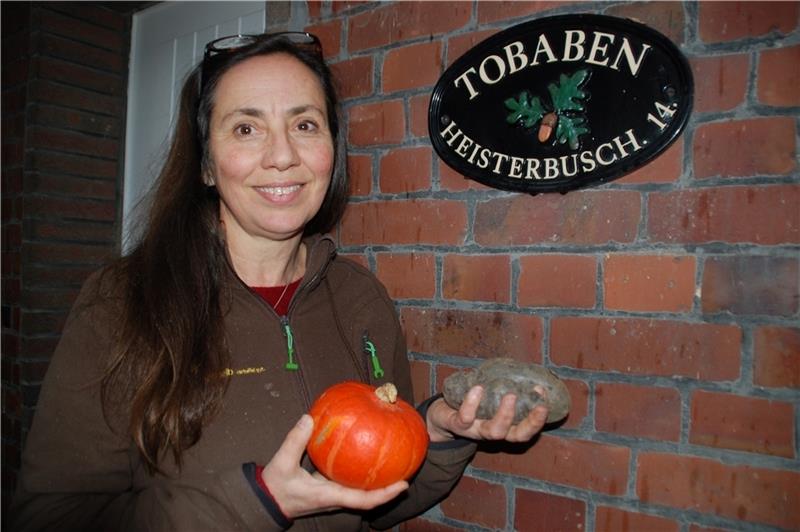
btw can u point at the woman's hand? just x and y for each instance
(444, 422)
(299, 492)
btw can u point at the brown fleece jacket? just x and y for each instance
(80, 474)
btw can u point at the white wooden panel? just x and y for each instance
(168, 39)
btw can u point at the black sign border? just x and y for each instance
(585, 20)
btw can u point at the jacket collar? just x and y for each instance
(321, 250)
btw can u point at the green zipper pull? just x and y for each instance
(287, 331)
(369, 348)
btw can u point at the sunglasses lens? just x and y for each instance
(232, 42)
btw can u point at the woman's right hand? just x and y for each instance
(300, 493)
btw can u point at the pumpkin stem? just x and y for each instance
(387, 393)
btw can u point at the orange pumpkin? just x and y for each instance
(364, 437)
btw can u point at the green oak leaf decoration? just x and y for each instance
(565, 115)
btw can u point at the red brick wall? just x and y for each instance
(668, 299)
(63, 96)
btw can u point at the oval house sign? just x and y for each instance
(560, 103)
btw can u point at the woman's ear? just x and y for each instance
(208, 179)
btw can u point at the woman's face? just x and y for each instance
(271, 148)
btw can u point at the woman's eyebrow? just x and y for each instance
(258, 113)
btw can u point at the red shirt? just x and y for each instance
(278, 297)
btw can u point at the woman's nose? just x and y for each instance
(279, 151)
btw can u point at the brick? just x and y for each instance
(33, 372)
(728, 21)
(609, 519)
(314, 8)
(665, 17)
(698, 528)
(376, 123)
(37, 347)
(406, 170)
(751, 285)
(13, 153)
(776, 352)
(77, 165)
(63, 207)
(579, 403)
(46, 275)
(72, 142)
(545, 512)
(744, 148)
(647, 347)
(63, 118)
(12, 236)
(411, 67)
(742, 423)
(42, 322)
(779, 76)
(557, 281)
(649, 282)
(358, 258)
(13, 127)
(442, 372)
(495, 11)
(666, 168)
(473, 334)
(52, 252)
(451, 180)
(80, 53)
(99, 15)
(583, 464)
(88, 78)
(441, 222)
(458, 45)
(16, 73)
(720, 81)
(44, 91)
(48, 298)
(638, 411)
(73, 187)
(408, 275)
(418, 115)
(742, 492)
(477, 502)
(330, 36)
(353, 77)
(11, 289)
(359, 170)
(76, 231)
(11, 183)
(477, 278)
(402, 21)
(16, 18)
(421, 379)
(580, 217)
(13, 100)
(759, 215)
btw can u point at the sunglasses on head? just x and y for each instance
(219, 49)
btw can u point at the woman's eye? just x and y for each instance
(307, 125)
(243, 129)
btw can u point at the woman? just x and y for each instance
(173, 399)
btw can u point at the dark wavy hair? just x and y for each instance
(171, 353)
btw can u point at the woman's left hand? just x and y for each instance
(445, 422)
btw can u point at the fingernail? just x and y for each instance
(305, 421)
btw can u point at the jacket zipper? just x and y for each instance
(372, 354)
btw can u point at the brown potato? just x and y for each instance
(501, 376)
